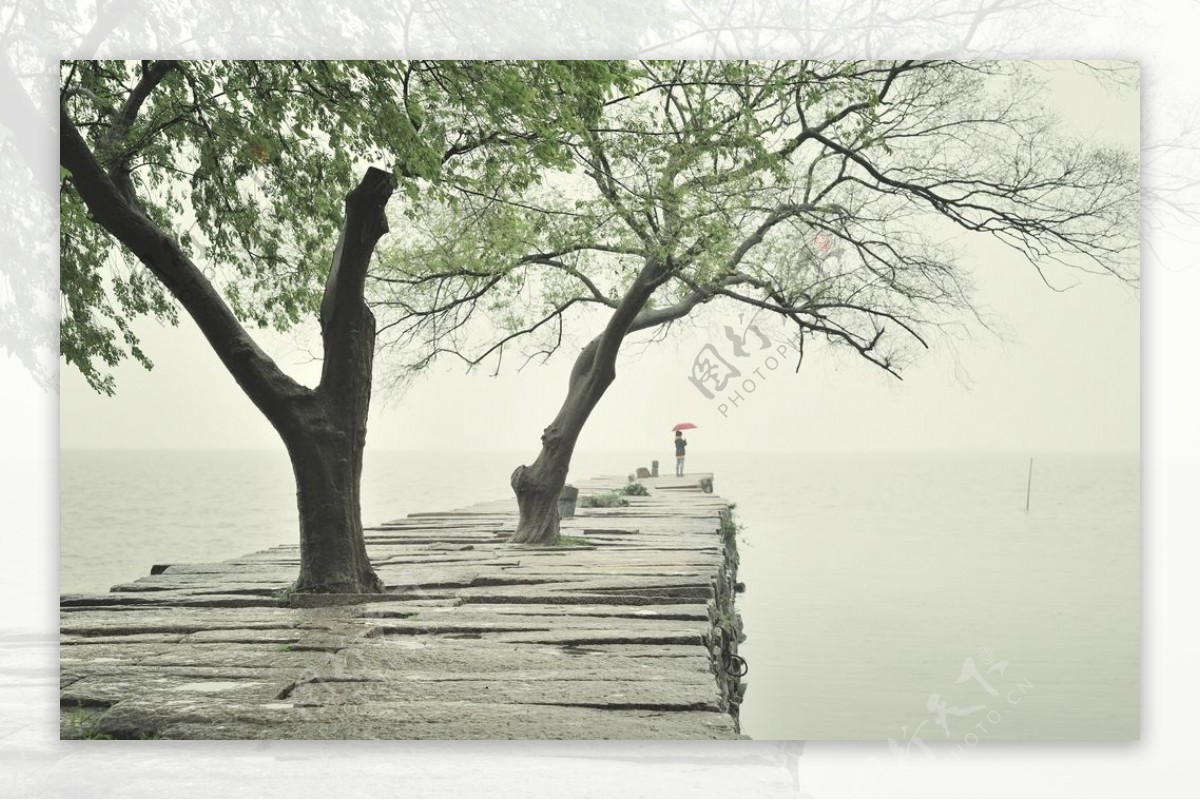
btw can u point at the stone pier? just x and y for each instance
(627, 631)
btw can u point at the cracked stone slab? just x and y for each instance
(198, 718)
(608, 694)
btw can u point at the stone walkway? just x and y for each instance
(628, 633)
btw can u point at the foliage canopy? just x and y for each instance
(247, 164)
(828, 193)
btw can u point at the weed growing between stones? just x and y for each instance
(604, 500)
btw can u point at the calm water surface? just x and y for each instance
(904, 597)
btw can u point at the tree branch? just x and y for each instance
(344, 313)
(110, 146)
(271, 390)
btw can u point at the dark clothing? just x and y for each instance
(681, 446)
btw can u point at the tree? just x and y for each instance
(823, 192)
(223, 181)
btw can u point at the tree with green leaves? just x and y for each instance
(218, 188)
(828, 194)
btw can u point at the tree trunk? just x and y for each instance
(327, 462)
(327, 438)
(538, 485)
(537, 488)
(326, 448)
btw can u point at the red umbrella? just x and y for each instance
(683, 426)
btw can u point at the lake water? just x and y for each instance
(904, 597)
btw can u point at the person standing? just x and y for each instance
(680, 452)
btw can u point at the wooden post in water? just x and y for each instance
(1029, 483)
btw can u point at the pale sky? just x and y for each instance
(1063, 377)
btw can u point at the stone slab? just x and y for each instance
(475, 639)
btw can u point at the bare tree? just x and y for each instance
(828, 193)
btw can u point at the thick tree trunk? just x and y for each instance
(326, 448)
(538, 485)
(327, 462)
(330, 432)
